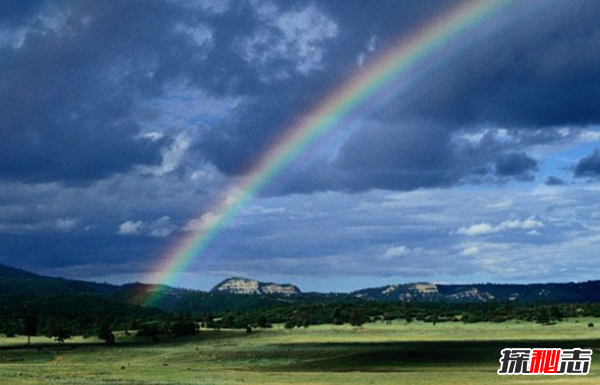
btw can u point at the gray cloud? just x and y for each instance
(501, 83)
(516, 164)
(133, 116)
(589, 166)
(554, 181)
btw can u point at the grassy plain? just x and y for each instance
(400, 353)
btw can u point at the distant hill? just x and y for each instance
(430, 292)
(13, 272)
(238, 285)
(194, 301)
(21, 282)
(240, 294)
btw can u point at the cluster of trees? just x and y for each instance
(357, 314)
(179, 325)
(54, 328)
(59, 317)
(86, 315)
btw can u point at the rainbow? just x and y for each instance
(395, 70)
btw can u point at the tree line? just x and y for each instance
(63, 316)
(357, 314)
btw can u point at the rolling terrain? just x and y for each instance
(240, 294)
(380, 353)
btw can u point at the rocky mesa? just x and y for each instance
(239, 285)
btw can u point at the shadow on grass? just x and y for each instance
(129, 342)
(234, 351)
(410, 356)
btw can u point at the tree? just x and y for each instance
(150, 329)
(262, 322)
(543, 317)
(105, 333)
(337, 316)
(228, 321)
(209, 321)
(58, 332)
(305, 322)
(556, 313)
(133, 324)
(357, 318)
(183, 326)
(30, 327)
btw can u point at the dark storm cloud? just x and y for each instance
(73, 74)
(515, 164)
(539, 72)
(69, 92)
(589, 167)
(277, 103)
(536, 74)
(554, 181)
(82, 82)
(409, 156)
(412, 155)
(236, 144)
(56, 251)
(64, 103)
(15, 12)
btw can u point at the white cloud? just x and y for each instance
(55, 18)
(202, 223)
(171, 156)
(470, 251)
(14, 38)
(130, 228)
(487, 228)
(371, 44)
(178, 109)
(295, 34)
(66, 224)
(587, 136)
(572, 259)
(160, 228)
(213, 6)
(201, 34)
(153, 136)
(370, 48)
(396, 251)
(476, 136)
(529, 223)
(502, 205)
(478, 229)
(361, 59)
(51, 18)
(260, 210)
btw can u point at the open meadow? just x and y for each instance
(397, 353)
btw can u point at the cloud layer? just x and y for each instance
(122, 123)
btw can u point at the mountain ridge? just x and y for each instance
(588, 291)
(241, 285)
(243, 293)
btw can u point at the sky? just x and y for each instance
(122, 122)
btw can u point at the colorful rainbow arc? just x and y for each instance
(358, 91)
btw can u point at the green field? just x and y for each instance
(400, 353)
